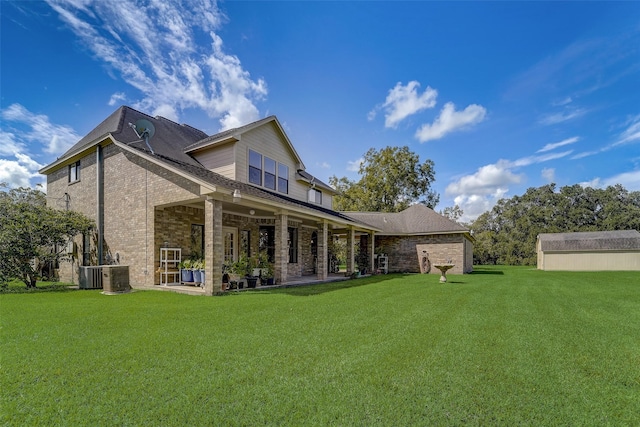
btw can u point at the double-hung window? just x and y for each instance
(318, 196)
(283, 178)
(74, 172)
(269, 173)
(255, 167)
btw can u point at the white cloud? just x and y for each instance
(117, 98)
(629, 180)
(354, 165)
(404, 101)
(552, 119)
(451, 120)
(19, 172)
(478, 192)
(584, 154)
(153, 47)
(555, 145)
(549, 174)
(323, 165)
(9, 144)
(529, 160)
(562, 102)
(631, 133)
(31, 127)
(488, 180)
(14, 174)
(23, 128)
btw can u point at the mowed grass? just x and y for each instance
(503, 346)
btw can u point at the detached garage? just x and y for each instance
(589, 251)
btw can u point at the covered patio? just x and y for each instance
(219, 227)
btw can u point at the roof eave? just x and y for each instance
(67, 157)
(220, 141)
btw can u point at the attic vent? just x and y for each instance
(144, 129)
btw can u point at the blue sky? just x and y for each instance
(502, 96)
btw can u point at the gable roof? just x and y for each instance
(590, 241)
(415, 220)
(233, 135)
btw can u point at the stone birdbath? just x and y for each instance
(443, 270)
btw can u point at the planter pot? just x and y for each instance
(271, 281)
(202, 277)
(251, 282)
(186, 275)
(197, 277)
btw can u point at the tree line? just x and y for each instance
(507, 233)
(393, 178)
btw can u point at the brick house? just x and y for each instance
(240, 191)
(418, 232)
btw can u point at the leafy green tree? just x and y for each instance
(392, 179)
(32, 234)
(507, 234)
(454, 213)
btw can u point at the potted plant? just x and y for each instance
(238, 269)
(202, 265)
(197, 266)
(265, 269)
(268, 275)
(252, 280)
(186, 273)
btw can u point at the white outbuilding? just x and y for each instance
(589, 251)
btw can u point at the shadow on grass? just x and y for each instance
(480, 270)
(305, 290)
(22, 288)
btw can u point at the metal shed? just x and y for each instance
(589, 251)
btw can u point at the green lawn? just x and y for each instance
(503, 346)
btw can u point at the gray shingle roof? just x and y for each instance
(170, 138)
(417, 219)
(590, 241)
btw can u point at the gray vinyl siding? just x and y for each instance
(219, 159)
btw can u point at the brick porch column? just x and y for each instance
(351, 239)
(323, 253)
(282, 247)
(213, 246)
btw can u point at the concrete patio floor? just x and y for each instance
(302, 281)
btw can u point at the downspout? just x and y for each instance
(100, 202)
